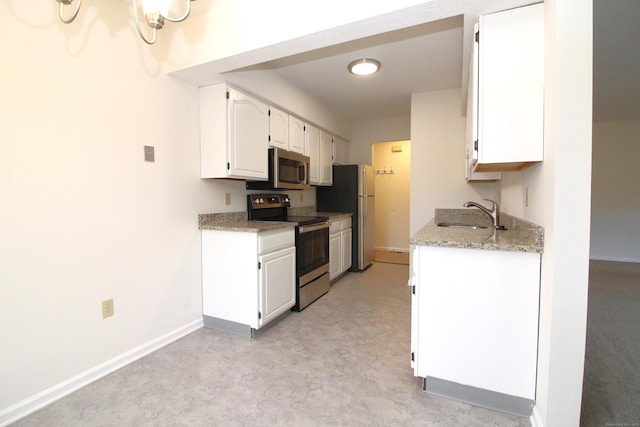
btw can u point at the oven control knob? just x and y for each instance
(286, 200)
(261, 200)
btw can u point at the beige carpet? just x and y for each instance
(391, 257)
(611, 387)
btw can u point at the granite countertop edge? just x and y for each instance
(521, 235)
(237, 221)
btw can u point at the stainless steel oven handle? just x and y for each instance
(312, 227)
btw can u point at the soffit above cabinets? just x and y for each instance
(424, 56)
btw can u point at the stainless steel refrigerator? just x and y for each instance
(353, 191)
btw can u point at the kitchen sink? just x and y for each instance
(460, 225)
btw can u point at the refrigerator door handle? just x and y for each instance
(366, 209)
(364, 181)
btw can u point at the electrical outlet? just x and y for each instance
(302, 197)
(107, 308)
(227, 199)
(526, 197)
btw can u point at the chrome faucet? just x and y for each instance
(494, 212)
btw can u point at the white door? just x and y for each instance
(335, 255)
(345, 238)
(277, 283)
(278, 128)
(248, 136)
(296, 135)
(326, 164)
(312, 142)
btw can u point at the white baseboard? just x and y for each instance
(391, 249)
(535, 418)
(612, 258)
(58, 391)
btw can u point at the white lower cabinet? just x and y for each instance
(248, 278)
(340, 235)
(474, 324)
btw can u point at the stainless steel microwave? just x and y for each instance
(287, 171)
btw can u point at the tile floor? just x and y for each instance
(344, 361)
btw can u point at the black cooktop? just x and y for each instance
(299, 220)
(273, 207)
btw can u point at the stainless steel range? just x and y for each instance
(312, 244)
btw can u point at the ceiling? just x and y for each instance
(430, 56)
(417, 59)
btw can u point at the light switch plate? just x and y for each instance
(149, 153)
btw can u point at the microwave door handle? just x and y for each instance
(303, 179)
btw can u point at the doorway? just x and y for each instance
(391, 165)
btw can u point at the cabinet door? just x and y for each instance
(335, 256)
(312, 143)
(248, 126)
(296, 135)
(278, 128)
(345, 246)
(495, 316)
(277, 283)
(471, 157)
(413, 283)
(338, 151)
(326, 164)
(511, 89)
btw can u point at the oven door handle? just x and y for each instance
(312, 227)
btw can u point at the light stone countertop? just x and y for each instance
(520, 236)
(334, 215)
(237, 221)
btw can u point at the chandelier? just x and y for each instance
(155, 13)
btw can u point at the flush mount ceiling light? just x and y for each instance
(155, 13)
(364, 66)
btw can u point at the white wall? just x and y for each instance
(615, 196)
(83, 217)
(364, 133)
(392, 194)
(437, 157)
(75, 191)
(559, 196)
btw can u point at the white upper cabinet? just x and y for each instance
(510, 84)
(312, 149)
(339, 149)
(472, 124)
(234, 134)
(318, 146)
(278, 128)
(326, 159)
(296, 135)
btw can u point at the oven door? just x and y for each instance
(312, 251)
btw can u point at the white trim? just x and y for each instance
(62, 389)
(535, 418)
(391, 249)
(613, 258)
